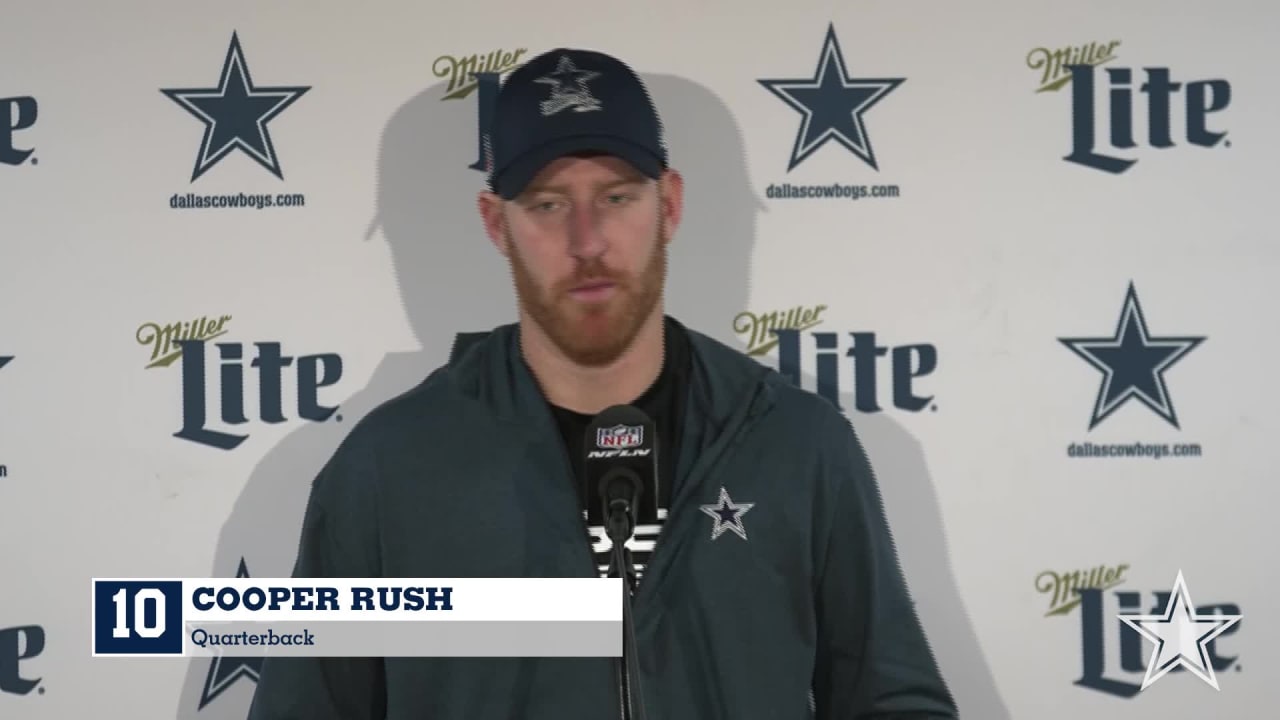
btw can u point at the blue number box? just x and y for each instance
(137, 617)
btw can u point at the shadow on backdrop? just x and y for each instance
(452, 280)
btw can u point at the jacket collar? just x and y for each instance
(726, 386)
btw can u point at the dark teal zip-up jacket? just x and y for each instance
(467, 476)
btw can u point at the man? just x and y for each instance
(768, 583)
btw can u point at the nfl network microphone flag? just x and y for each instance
(357, 617)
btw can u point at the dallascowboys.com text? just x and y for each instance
(831, 191)
(204, 638)
(1154, 451)
(194, 201)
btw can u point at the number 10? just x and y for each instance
(141, 628)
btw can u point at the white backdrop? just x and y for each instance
(983, 272)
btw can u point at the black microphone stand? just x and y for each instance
(619, 527)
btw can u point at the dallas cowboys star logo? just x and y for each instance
(568, 88)
(1180, 636)
(235, 114)
(833, 104)
(5, 360)
(224, 671)
(1132, 363)
(727, 515)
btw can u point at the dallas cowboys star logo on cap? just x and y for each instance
(833, 104)
(235, 114)
(727, 515)
(1132, 363)
(568, 88)
(1180, 636)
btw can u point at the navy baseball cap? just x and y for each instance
(568, 101)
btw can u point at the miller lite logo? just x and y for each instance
(620, 437)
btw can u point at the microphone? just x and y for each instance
(620, 491)
(621, 470)
(621, 461)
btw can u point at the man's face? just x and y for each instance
(587, 245)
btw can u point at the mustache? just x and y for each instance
(593, 272)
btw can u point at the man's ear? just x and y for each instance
(671, 194)
(492, 214)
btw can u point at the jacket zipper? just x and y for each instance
(624, 688)
(624, 684)
(696, 475)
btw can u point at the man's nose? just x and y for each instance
(586, 239)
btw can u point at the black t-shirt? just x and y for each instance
(664, 403)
